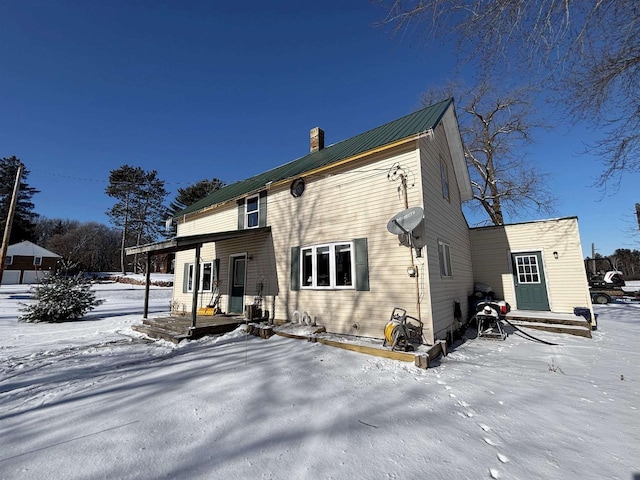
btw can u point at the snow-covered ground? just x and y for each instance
(94, 400)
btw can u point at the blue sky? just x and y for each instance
(198, 90)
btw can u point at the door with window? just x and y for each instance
(238, 277)
(529, 281)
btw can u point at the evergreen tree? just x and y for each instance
(23, 227)
(139, 209)
(190, 195)
(61, 298)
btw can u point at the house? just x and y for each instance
(27, 262)
(315, 237)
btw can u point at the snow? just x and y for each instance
(93, 400)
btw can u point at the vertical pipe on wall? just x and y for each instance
(405, 197)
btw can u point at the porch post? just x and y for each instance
(147, 283)
(196, 286)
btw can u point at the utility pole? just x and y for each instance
(7, 227)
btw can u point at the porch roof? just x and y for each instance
(188, 242)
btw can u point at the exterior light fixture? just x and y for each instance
(555, 255)
(412, 271)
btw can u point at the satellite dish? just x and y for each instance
(405, 224)
(405, 221)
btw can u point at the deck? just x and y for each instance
(177, 328)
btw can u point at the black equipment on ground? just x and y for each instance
(489, 315)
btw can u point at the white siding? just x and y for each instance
(341, 206)
(566, 279)
(444, 221)
(220, 219)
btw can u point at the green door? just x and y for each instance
(238, 268)
(529, 281)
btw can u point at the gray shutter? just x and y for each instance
(241, 214)
(295, 268)
(262, 209)
(185, 278)
(362, 264)
(216, 269)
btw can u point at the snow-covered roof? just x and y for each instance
(28, 249)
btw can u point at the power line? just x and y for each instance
(95, 180)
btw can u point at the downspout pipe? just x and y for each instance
(403, 181)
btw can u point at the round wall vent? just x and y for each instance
(297, 187)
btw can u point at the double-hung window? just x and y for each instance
(252, 211)
(329, 266)
(207, 277)
(444, 253)
(37, 261)
(8, 260)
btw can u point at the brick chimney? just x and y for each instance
(316, 139)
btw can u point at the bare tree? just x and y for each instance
(496, 128)
(90, 246)
(586, 52)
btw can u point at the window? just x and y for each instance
(8, 260)
(37, 261)
(348, 266)
(207, 277)
(528, 271)
(444, 253)
(327, 266)
(252, 211)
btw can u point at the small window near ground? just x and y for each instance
(37, 261)
(444, 252)
(444, 177)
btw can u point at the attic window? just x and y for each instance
(37, 261)
(8, 260)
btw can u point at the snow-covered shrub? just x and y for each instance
(61, 298)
